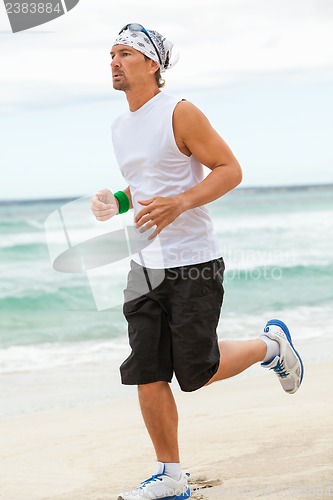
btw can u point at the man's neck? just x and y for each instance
(137, 98)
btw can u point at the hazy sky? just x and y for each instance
(262, 71)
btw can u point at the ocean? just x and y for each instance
(277, 244)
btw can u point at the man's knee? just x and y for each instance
(152, 387)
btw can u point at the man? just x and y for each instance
(161, 144)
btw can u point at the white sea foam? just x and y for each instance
(44, 356)
(304, 323)
(35, 223)
(313, 221)
(19, 239)
(34, 238)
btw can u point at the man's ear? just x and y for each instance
(153, 66)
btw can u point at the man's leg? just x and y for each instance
(158, 406)
(237, 356)
(160, 415)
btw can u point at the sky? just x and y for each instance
(262, 72)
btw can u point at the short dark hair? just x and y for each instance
(159, 80)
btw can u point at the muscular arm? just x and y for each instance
(194, 135)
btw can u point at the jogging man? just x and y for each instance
(161, 144)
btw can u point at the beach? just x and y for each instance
(241, 437)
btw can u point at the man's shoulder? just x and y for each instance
(187, 111)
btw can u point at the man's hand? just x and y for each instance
(160, 212)
(104, 205)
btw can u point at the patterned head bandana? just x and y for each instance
(140, 41)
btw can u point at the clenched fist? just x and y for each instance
(104, 205)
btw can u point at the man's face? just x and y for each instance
(129, 67)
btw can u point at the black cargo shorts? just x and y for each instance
(172, 317)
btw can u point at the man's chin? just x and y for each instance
(120, 86)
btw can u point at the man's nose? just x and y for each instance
(115, 63)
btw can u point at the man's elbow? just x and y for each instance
(237, 174)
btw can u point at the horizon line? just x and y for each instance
(295, 187)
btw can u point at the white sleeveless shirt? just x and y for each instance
(152, 165)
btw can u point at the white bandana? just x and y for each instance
(139, 41)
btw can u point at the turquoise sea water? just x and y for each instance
(277, 245)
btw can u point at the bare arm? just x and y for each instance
(193, 135)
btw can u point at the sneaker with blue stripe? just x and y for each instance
(161, 487)
(288, 364)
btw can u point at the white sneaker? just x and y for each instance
(287, 365)
(161, 487)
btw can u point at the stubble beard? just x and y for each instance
(124, 86)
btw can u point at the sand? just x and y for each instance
(242, 437)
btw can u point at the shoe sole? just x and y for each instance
(183, 496)
(283, 326)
